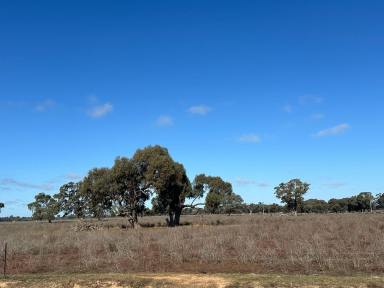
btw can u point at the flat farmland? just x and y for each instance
(333, 244)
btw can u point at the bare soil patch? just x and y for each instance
(184, 280)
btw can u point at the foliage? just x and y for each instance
(44, 207)
(379, 203)
(95, 190)
(264, 208)
(157, 206)
(365, 201)
(291, 193)
(128, 190)
(315, 206)
(166, 178)
(1, 206)
(338, 205)
(69, 200)
(220, 196)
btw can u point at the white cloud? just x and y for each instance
(30, 105)
(303, 101)
(72, 176)
(246, 182)
(334, 184)
(288, 108)
(44, 105)
(10, 182)
(317, 116)
(250, 138)
(164, 120)
(98, 111)
(262, 184)
(336, 130)
(13, 104)
(92, 99)
(200, 109)
(16, 202)
(310, 99)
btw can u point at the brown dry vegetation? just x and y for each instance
(332, 244)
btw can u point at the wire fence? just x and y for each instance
(5, 252)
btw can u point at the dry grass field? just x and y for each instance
(332, 244)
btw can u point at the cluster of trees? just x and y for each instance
(292, 194)
(151, 173)
(365, 201)
(123, 190)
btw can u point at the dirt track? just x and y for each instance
(173, 280)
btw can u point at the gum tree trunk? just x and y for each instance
(178, 215)
(171, 220)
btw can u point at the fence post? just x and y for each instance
(5, 260)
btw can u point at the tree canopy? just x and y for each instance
(95, 190)
(124, 188)
(380, 201)
(128, 190)
(220, 196)
(315, 206)
(165, 178)
(44, 207)
(69, 200)
(292, 194)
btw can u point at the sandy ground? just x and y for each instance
(188, 280)
(182, 280)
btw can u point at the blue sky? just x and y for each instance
(257, 92)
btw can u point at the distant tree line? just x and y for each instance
(151, 173)
(292, 195)
(363, 202)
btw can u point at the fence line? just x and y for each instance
(5, 260)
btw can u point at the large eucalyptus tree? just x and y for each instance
(292, 194)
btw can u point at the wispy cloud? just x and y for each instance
(334, 184)
(101, 110)
(310, 99)
(72, 176)
(13, 104)
(317, 116)
(44, 105)
(250, 138)
(288, 108)
(262, 184)
(164, 120)
(7, 184)
(333, 131)
(39, 106)
(247, 182)
(10, 182)
(302, 101)
(199, 109)
(16, 202)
